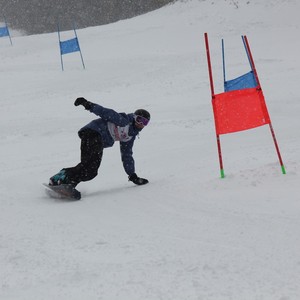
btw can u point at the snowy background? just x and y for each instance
(187, 234)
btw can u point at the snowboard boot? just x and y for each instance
(59, 178)
(62, 177)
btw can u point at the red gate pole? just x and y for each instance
(270, 124)
(212, 97)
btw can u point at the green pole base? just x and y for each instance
(222, 173)
(283, 169)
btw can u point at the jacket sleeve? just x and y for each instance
(110, 115)
(127, 158)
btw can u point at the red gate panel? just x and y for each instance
(239, 110)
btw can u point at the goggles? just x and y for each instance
(141, 120)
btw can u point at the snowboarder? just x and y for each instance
(102, 133)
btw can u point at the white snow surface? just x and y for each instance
(188, 234)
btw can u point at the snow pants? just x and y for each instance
(91, 156)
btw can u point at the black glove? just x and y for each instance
(82, 101)
(137, 180)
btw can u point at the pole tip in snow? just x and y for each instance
(222, 173)
(283, 169)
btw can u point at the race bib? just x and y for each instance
(119, 133)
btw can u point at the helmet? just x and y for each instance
(143, 113)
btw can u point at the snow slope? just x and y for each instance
(187, 234)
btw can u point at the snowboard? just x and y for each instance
(63, 191)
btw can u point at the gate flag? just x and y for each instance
(69, 46)
(245, 81)
(242, 105)
(5, 32)
(239, 110)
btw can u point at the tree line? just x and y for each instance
(41, 16)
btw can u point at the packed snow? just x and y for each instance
(188, 234)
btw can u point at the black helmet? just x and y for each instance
(143, 113)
